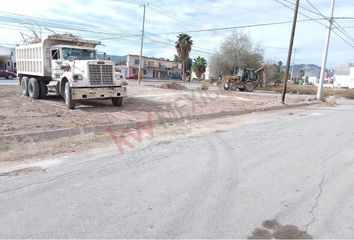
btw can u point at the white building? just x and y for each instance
(123, 70)
(344, 76)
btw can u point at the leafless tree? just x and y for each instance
(236, 51)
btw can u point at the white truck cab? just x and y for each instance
(67, 66)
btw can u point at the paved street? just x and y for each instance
(294, 166)
(7, 82)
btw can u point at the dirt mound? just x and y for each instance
(173, 85)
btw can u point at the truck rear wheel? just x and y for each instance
(117, 101)
(33, 88)
(24, 86)
(250, 86)
(42, 89)
(69, 102)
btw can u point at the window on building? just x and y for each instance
(136, 61)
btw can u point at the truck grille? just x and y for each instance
(101, 74)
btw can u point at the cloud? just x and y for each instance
(103, 19)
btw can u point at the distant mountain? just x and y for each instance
(311, 69)
(114, 58)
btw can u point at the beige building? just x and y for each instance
(159, 68)
(8, 58)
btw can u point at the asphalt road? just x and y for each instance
(295, 166)
(7, 82)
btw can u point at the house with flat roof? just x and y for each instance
(159, 68)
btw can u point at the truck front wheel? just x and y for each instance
(33, 88)
(117, 101)
(69, 102)
(24, 86)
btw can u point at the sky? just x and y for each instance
(117, 23)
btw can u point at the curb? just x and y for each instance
(66, 132)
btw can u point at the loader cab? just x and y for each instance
(247, 74)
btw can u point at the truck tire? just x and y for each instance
(33, 88)
(42, 89)
(117, 101)
(233, 87)
(24, 86)
(69, 102)
(250, 86)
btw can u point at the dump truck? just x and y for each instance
(244, 80)
(67, 65)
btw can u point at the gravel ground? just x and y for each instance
(22, 115)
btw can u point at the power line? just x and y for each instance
(334, 31)
(305, 8)
(240, 26)
(316, 9)
(341, 37)
(308, 17)
(167, 13)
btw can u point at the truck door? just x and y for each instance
(55, 59)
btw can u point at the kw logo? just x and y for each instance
(121, 139)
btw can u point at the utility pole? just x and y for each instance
(290, 50)
(142, 43)
(292, 67)
(305, 74)
(325, 53)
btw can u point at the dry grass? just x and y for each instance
(312, 90)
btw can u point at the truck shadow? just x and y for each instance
(130, 104)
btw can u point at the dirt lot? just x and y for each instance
(22, 115)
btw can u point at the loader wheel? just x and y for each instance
(24, 86)
(226, 86)
(33, 88)
(233, 87)
(249, 86)
(69, 102)
(117, 101)
(42, 89)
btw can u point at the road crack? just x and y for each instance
(315, 205)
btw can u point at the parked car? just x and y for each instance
(7, 74)
(135, 76)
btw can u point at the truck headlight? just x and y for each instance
(78, 77)
(119, 77)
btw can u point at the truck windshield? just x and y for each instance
(79, 54)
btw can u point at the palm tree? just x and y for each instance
(183, 46)
(199, 66)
